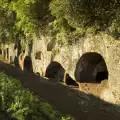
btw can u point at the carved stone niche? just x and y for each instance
(38, 55)
(50, 45)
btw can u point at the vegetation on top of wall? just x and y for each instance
(21, 104)
(87, 16)
(21, 19)
(7, 21)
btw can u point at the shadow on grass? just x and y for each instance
(65, 99)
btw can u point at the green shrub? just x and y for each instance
(21, 19)
(21, 104)
(92, 15)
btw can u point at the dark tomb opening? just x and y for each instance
(28, 64)
(101, 76)
(38, 55)
(55, 71)
(70, 81)
(37, 73)
(15, 46)
(91, 68)
(0, 51)
(7, 53)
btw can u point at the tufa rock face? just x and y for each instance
(92, 59)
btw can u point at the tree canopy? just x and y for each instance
(20, 19)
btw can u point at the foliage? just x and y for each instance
(6, 25)
(21, 104)
(24, 15)
(21, 19)
(89, 15)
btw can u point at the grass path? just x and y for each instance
(64, 99)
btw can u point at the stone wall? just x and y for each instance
(40, 46)
(69, 55)
(108, 48)
(9, 52)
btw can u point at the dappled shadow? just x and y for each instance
(91, 68)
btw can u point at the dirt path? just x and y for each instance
(67, 100)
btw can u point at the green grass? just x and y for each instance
(21, 104)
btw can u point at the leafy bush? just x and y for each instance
(90, 15)
(21, 104)
(21, 19)
(7, 22)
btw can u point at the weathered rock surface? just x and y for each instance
(69, 55)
